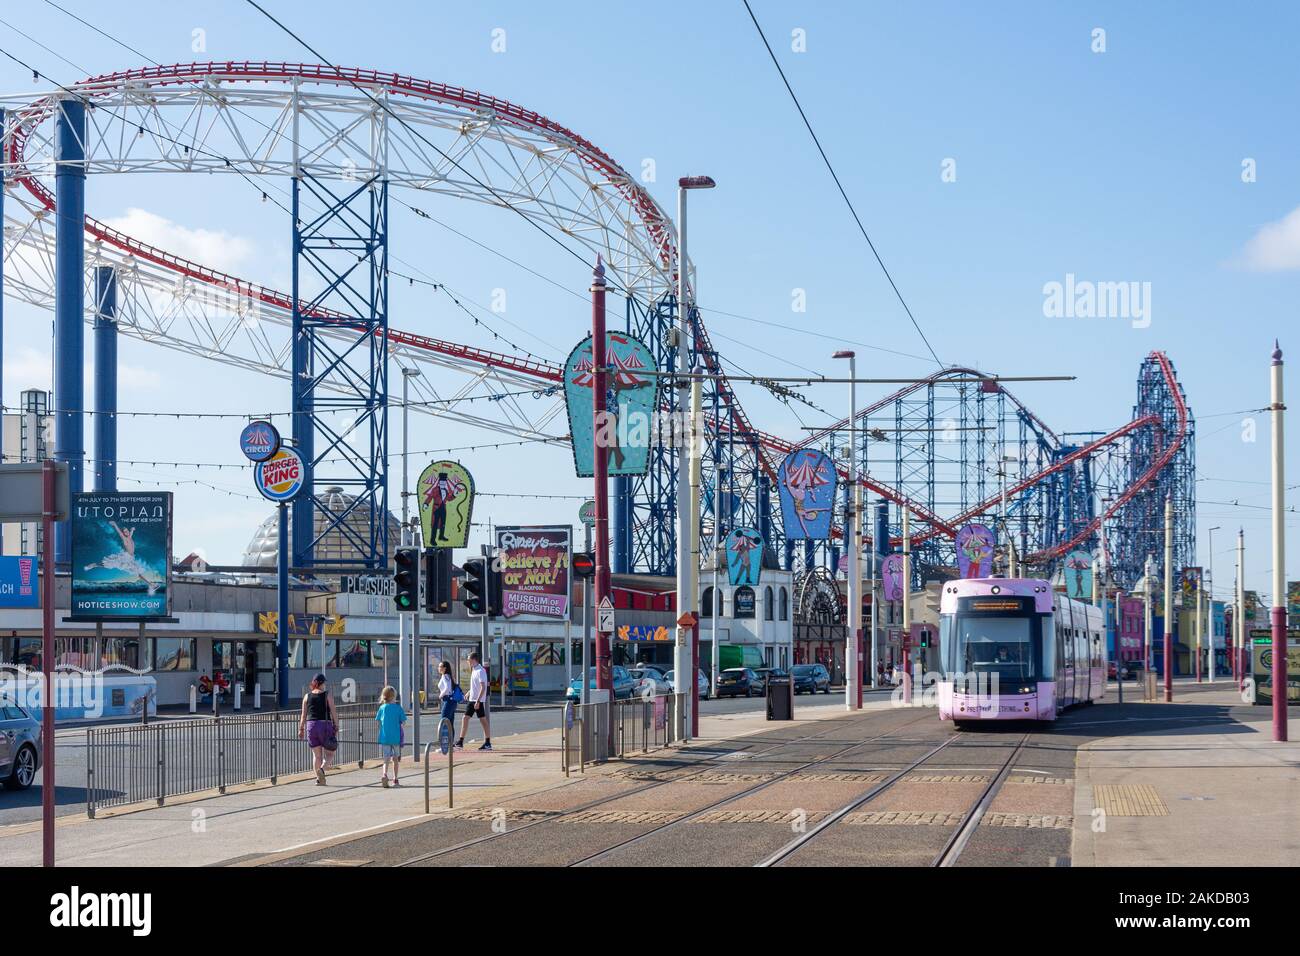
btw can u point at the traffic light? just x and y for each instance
(482, 588)
(924, 638)
(437, 580)
(584, 564)
(406, 578)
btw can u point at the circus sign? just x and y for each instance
(975, 545)
(744, 556)
(281, 477)
(629, 405)
(445, 495)
(259, 441)
(1078, 575)
(806, 481)
(891, 571)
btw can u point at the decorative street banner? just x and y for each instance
(446, 499)
(891, 573)
(1191, 580)
(806, 482)
(1252, 605)
(1293, 603)
(629, 404)
(121, 554)
(18, 582)
(302, 625)
(975, 551)
(644, 632)
(1078, 575)
(744, 556)
(535, 572)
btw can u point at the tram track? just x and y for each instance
(705, 765)
(953, 848)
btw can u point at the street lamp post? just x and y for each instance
(1209, 586)
(853, 544)
(1169, 599)
(686, 650)
(1239, 617)
(1278, 621)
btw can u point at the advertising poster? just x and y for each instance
(121, 554)
(1078, 575)
(975, 545)
(891, 573)
(744, 556)
(806, 482)
(18, 582)
(445, 495)
(535, 572)
(629, 405)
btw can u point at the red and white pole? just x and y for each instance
(600, 492)
(47, 663)
(1277, 407)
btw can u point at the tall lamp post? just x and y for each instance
(1277, 407)
(1209, 587)
(853, 544)
(686, 651)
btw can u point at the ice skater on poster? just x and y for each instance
(121, 555)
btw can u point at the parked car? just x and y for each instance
(701, 682)
(20, 747)
(1129, 670)
(811, 678)
(648, 681)
(739, 682)
(622, 680)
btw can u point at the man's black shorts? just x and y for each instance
(475, 708)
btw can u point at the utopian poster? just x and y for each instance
(629, 405)
(535, 571)
(445, 495)
(121, 554)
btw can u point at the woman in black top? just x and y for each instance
(318, 723)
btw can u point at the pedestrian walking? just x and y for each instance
(319, 725)
(391, 715)
(449, 693)
(476, 703)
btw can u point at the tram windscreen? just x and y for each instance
(1005, 648)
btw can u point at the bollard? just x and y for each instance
(239, 696)
(194, 699)
(428, 749)
(257, 696)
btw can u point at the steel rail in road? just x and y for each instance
(961, 836)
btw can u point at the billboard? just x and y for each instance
(629, 405)
(744, 548)
(18, 582)
(1078, 575)
(121, 554)
(535, 572)
(975, 545)
(445, 496)
(806, 482)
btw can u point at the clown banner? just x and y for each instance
(975, 545)
(629, 405)
(806, 482)
(744, 556)
(445, 494)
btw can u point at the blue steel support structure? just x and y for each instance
(69, 302)
(105, 378)
(340, 380)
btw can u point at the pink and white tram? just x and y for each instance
(1012, 649)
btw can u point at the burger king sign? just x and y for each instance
(281, 477)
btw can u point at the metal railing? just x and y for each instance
(136, 764)
(609, 730)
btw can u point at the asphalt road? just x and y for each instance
(70, 751)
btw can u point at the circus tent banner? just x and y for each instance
(806, 482)
(629, 405)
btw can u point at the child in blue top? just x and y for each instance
(391, 716)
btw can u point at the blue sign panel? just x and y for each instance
(806, 482)
(18, 584)
(259, 441)
(629, 405)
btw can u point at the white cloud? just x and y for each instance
(1275, 247)
(215, 249)
(25, 368)
(137, 378)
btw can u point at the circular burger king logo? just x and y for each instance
(280, 477)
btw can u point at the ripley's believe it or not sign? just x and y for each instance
(446, 500)
(121, 554)
(535, 571)
(629, 405)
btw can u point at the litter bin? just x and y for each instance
(780, 700)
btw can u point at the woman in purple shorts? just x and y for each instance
(318, 724)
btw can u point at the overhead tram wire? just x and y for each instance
(840, 186)
(261, 188)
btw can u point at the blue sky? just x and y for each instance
(1124, 165)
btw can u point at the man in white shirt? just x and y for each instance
(476, 703)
